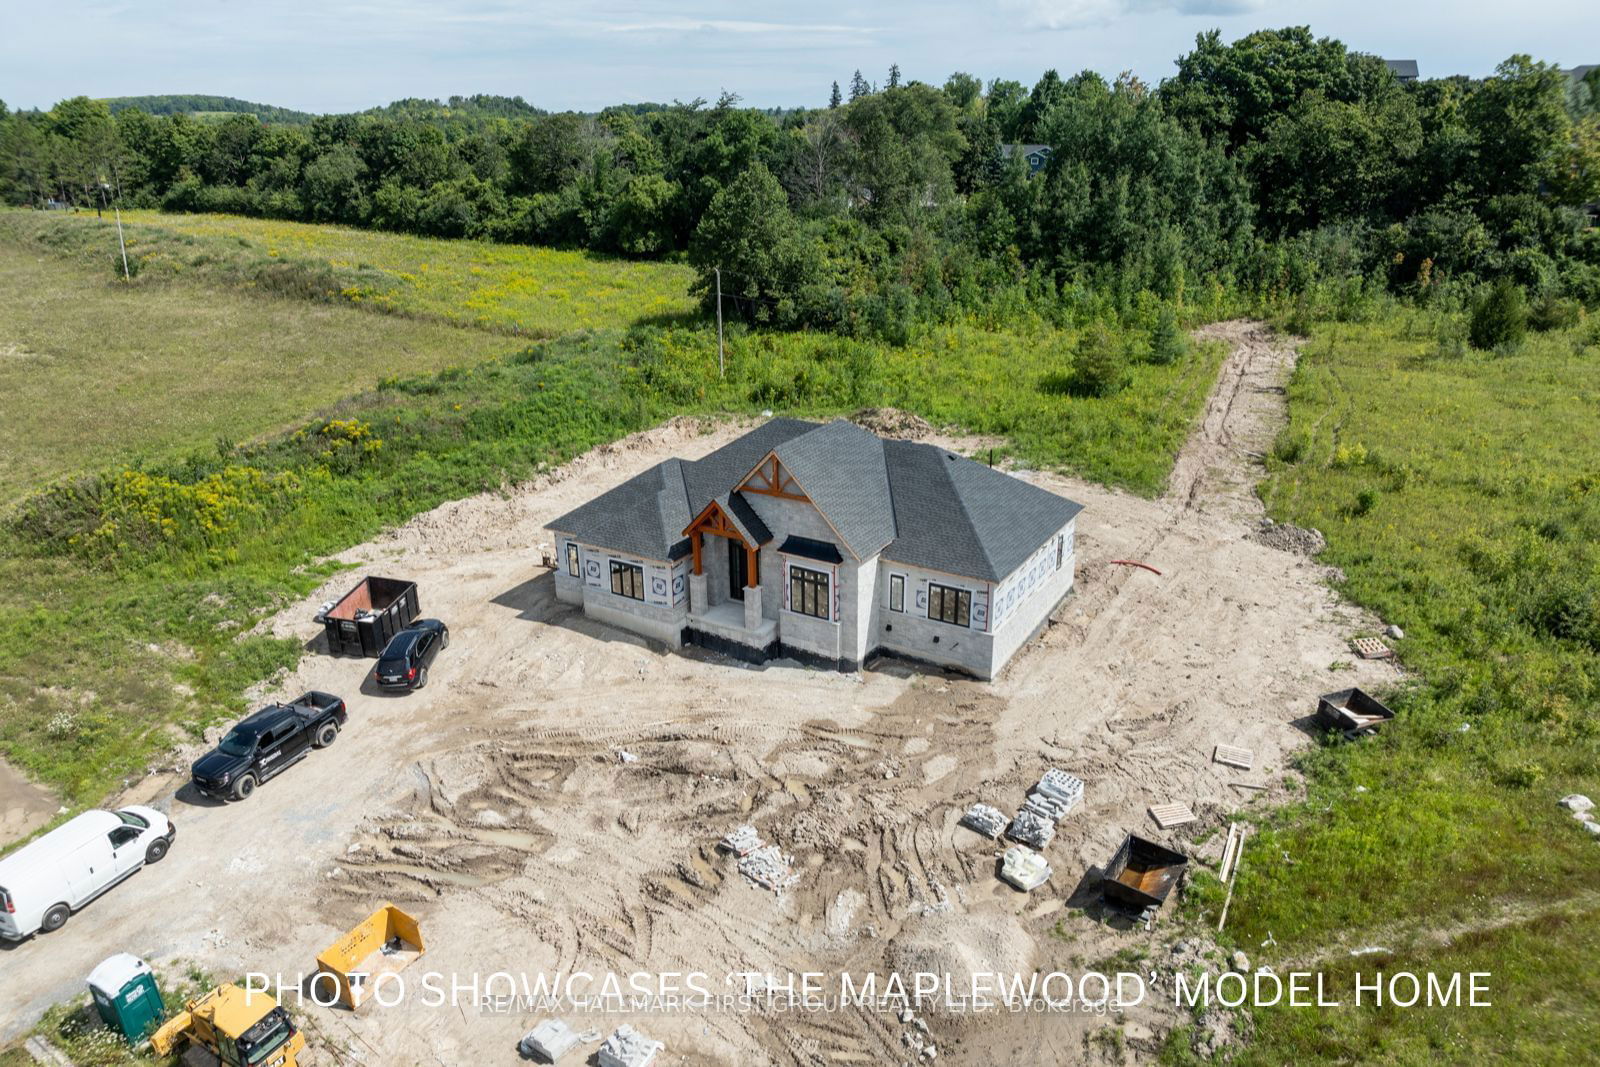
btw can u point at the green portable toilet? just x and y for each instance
(124, 989)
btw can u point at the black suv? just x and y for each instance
(267, 742)
(404, 663)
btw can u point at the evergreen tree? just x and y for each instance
(859, 86)
(1101, 366)
(1499, 317)
(1167, 343)
(834, 98)
(894, 75)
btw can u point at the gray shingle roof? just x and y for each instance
(631, 517)
(744, 518)
(961, 517)
(915, 503)
(841, 468)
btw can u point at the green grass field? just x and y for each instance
(204, 492)
(534, 292)
(96, 373)
(1461, 498)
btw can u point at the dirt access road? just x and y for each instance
(496, 804)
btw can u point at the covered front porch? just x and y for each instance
(731, 609)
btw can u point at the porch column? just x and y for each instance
(752, 607)
(698, 603)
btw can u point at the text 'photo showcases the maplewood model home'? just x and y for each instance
(823, 543)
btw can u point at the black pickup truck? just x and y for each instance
(267, 742)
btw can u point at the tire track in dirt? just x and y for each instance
(521, 834)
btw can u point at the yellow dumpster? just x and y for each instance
(384, 943)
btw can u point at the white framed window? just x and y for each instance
(572, 558)
(1061, 549)
(949, 604)
(897, 592)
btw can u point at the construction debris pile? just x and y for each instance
(767, 866)
(1286, 537)
(741, 840)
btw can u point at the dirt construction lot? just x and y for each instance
(497, 805)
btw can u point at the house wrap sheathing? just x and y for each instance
(823, 543)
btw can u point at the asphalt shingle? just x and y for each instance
(914, 503)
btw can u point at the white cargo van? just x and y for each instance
(45, 881)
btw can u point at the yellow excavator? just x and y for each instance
(243, 1029)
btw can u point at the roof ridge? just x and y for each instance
(961, 501)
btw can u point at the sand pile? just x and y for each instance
(892, 422)
(961, 945)
(1286, 537)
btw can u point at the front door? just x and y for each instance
(738, 570)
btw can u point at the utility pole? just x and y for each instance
(722, 368)
(121, 244)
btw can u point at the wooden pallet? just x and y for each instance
(1234, 756)
(1169, 815)
(1371, 648)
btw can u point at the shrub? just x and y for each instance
(1555, 313)
(1290, 447)
(1499, 317)
(1347, 456)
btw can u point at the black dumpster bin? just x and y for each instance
(361, 622)
(1352, 712)
(1141, 874)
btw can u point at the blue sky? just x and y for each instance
(339, 55)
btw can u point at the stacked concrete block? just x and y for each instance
(981, 818)
(627, 1047)
(1061, 788)
(548, 1041)
(1032, 828)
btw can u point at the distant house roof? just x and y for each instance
(1036, 155)
(1404, 69)
(914, 503)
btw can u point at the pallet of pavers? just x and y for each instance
(549, 1041)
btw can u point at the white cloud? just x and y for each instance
(738, 26)
(1071, 14)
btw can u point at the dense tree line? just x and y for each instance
(1266, 164)
(204, 104)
